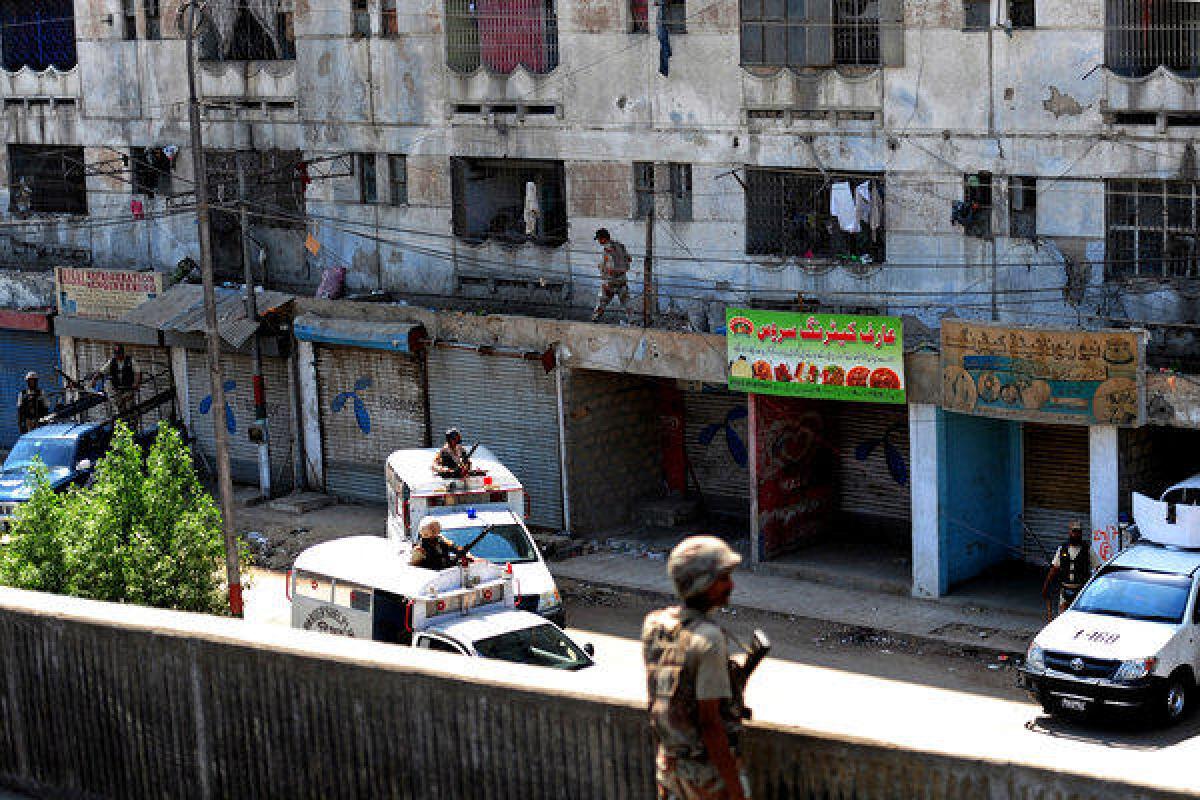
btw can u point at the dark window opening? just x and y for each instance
(1135, 118)
(1140, 36)
(38, 34)
(492, 200)
(501, 34)
(975, 213)
(639, 16)
(643, 189)
(150, 170)
(856, 31)
(674, 15)
(398, 179)
(681, 192)
(362, 18)
(389, 22)
(1022, 14)
(153, 19)
(791, 214)
(249, 30)
(1152, 228)
(129, 15)
(1022, 207)
(365, 167)
(977, 15)
(541, 110)
(44, 179)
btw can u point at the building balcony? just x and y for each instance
(49, 85)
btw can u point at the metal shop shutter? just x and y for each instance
(1057, 485)
(153, 362)
(20, 352)
(866, 485)
(243, 453)
(510, 405)
(715, 427)
(371, 405)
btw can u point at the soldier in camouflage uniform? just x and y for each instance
(692, 701)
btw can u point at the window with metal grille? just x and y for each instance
(977, 15)
(362, 18)
(643, 188)
(490, 200)
(1022, 14)
(153, 9)
(248, 30)
(681, 192)
(674, 15)
(389, 22)
(639, 16)
(273, 185)
(1153, 228)
(977, 195)
(856, 31)
(149, 170)
(819, 33)
(365, 167)
(398, 179)
(37, 34)
(44, 179)
(501, 34)
(789, 215)
(1140, 36)
(129, 15)
(1022, 207)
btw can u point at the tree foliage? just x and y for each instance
(145, 531)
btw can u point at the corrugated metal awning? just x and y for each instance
(181, 309)
(400, 337)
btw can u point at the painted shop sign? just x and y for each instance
(103, 293)
(1040, 375)
(825, 356)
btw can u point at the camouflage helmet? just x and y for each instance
(697, 562)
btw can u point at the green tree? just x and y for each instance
(144, 531)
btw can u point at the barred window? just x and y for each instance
(788, 214)
(149, 169)
(643, 188)
(821, 33)
(977, 15)
(248, 30)
(1140, 36)
(639, 16)
(153, 19)
(856, 31)
(38, 34)
(368, 192)
(501, 34)
(674, 15)
(1022, 207)
(362, 18)
(681, 192)
(1153, 228)
(129, 14)
(389, 23)
(43, 179)
(1022, 14)
(398, 179)
(491, 201)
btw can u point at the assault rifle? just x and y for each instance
(742, 666)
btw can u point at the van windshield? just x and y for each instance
(53, 453)
(1136, 594)
(504, 544)
(540, 646)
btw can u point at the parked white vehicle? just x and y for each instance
(464, 508)
(1173, 519)
(1129, 642)
(362, 587)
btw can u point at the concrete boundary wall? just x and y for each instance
(100, 700)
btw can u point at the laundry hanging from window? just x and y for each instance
(501, 35)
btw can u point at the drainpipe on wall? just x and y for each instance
(562, 441)
(299, 479)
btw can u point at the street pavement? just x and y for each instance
(850, 701)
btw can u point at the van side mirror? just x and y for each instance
(590, 649)
(84, 465)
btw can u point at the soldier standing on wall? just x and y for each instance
(694, 704)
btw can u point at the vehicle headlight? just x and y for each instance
(1035, 658)
(1134, 670)
(549, 601)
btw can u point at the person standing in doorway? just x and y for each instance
(690, 691)
(614, 275)
(1072, 564)
(31, 404)
(123, 380)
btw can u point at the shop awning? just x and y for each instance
(400, 337)
(180, 309)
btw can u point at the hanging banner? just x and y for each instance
(826, 356)
(1042, 375)
(104, 293)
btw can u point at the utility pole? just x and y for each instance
(648, 266)
(260, 391)
(212, 336)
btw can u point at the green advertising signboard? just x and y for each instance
(826, 356)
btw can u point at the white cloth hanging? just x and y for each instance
(841, 205)
(876, 219)
(533, 208)
(862, 203)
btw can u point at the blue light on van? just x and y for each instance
(471, 513)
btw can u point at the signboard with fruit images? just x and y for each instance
(826, 356)
(1044, 375)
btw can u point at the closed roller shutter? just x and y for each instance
(1057, 485)
(715, 441)
(238, 373)
(154, 363)
(22, 352)
(865, 480)
(511, 407)
(371, 405)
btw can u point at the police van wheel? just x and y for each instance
(1176, 698)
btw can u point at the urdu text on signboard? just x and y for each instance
(823, 356)
(1044, 375)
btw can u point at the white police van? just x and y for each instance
(361, 587)
(1131, 639)
(493, 497)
